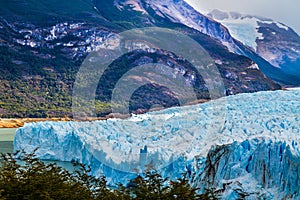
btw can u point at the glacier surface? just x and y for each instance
(253, 169)
(178, 140)
(245, 28)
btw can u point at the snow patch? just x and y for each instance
(244, 29)
(280, 25)
(135, 5)
(254, 66)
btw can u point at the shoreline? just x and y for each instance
(19, 122)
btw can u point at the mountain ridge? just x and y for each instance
(40, 60)
(272, 40)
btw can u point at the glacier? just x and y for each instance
(263, 126)
(246, 35)
(272, 40)
(245, 28)
(253, 169)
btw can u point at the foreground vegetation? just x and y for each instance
(33, 180)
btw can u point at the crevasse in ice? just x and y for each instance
(178, 139)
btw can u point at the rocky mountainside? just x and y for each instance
(182, 13)
(178, 11)
(42, 52)
(274, 41)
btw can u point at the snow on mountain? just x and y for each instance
(262, 46)
(179, 11)
(274, 41)
(179, 139)
(135, 5)
(243, 28)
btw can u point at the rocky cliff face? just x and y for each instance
(280, 45)
(178, 11)
(272, 40)
(47, 48)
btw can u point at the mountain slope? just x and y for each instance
(274, 41)
(178, 11)
(42, 52)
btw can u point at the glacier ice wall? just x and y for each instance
(173, 141)
(253, 169)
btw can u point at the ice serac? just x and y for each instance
(260, 132)
(253, 169)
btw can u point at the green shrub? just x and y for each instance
(32, 179)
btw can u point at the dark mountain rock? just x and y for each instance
(41, 53)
